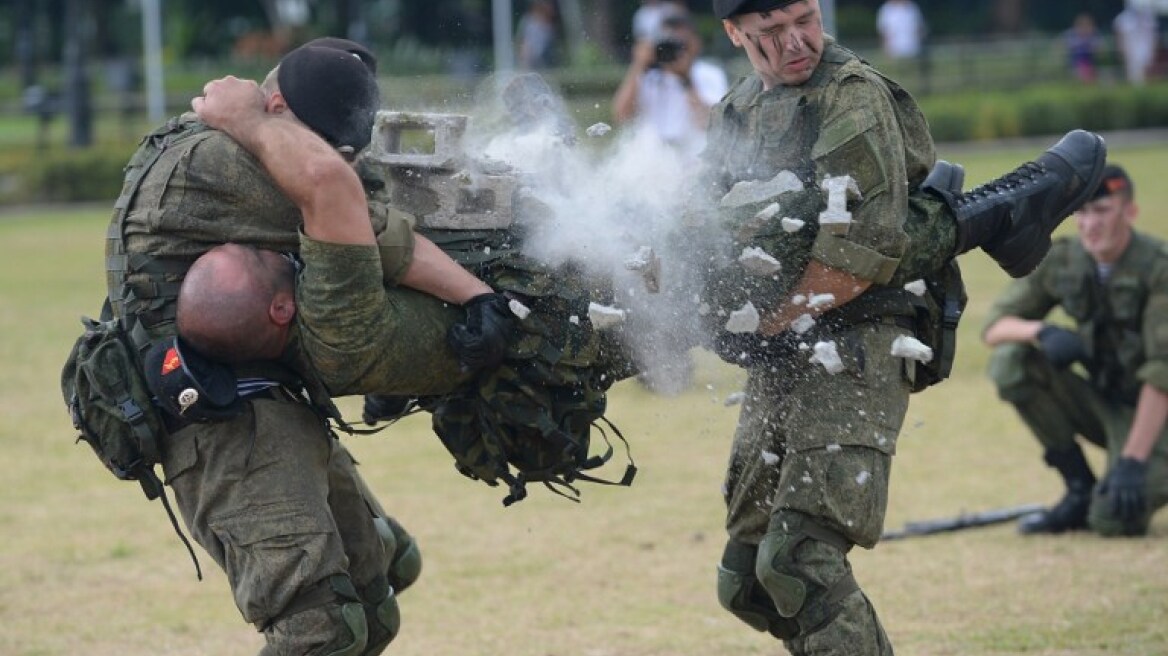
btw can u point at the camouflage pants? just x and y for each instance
(820, 446)
(279, 505)
(1057, 405)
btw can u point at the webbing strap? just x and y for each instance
(150, 149)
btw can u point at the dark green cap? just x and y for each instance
(728, 8)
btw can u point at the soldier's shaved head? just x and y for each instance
(236, 303)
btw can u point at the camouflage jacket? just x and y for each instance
(1123, 322)
(847, 119)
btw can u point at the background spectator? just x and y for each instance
(668, 90)
(537, 36)
(1082, 42)
(1136, 34)
(902, 28)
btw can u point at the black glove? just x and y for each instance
(1125, 485)
(481, 342)
(752, 349)
(383, 407)
(1061, 346)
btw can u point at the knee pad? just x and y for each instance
(740, 593)
(793, 585)
(329, 615)
(382, 616)
(405, 559)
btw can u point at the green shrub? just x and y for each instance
(64, 175)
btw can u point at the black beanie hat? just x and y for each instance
(728, 8)
(329, 84)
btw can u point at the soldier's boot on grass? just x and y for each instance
(1070, 513)
(1011, 218)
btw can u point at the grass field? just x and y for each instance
(87, 566)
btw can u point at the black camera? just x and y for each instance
(668, 50)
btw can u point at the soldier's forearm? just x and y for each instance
(817, 279)
(1151, 415)
(1011, 329)
(433, 272)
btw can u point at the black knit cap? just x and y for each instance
(1115, 181)
(728, 8)
(331, 86)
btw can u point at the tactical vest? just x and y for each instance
(158, 288)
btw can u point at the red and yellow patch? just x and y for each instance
(170, 361)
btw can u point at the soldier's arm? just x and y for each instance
(1150, 418)
(1020, 312)
(1010, 329)
(325, 188)
(1152, 406)
(818, 278)
(308, 171)
(859, 138)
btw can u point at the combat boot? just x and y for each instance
(1011, 218)
(1070, 513)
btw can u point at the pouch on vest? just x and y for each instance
(111, 405)
(938, 312)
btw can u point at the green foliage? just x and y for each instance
(60, 175)
(1047, 109)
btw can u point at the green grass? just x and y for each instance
(88, 566)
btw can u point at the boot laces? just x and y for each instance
(1019, 177)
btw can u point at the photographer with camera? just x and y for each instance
(668, 90)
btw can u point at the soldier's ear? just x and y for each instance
(275, 103)
(282, 310)
(732, 32)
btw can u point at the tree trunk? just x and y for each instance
(1008, 15)
(78, 103)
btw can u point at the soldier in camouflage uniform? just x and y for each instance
(313, 560)
(809, 469)
(1113, 283)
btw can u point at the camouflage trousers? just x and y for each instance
(1059, 405)
(819, 445)
(279, 505)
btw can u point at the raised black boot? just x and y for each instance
(1011, 218)
(1070, 513)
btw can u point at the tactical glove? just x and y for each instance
(1125, 485)
(1061, 346)
(753, 349)
(481, 342)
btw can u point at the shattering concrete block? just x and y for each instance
(840, 189)
(442, 187)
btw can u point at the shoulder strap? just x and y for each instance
(118, 263)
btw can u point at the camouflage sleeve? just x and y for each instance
(860, 137)
(1154, 371)
(363, 338)
(340, 304)
(395, 240)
